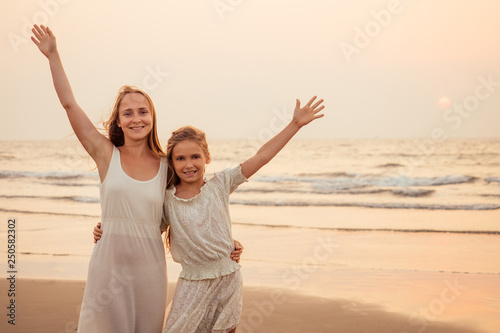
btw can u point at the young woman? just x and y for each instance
(126, 284)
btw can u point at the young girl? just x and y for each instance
(208, 294)
(126, 284)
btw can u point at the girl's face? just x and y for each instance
(134, 117)
(189, 162)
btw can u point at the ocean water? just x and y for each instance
(380, 174)
(379, 221)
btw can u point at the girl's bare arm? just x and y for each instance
(301, 117)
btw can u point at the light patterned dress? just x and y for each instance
(208, 294)
(127, 285)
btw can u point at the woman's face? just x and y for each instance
(134, 117)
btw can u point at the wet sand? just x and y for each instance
(53, 305)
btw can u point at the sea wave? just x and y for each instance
(478, 232)
(6, 210)
(405, 192)
(347, 180)
(70, 198)
(492, 179)
(390, 165)
(46, 175)
(385, 205)
(412, 192)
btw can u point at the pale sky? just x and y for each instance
(234, 68)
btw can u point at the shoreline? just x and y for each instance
(47, 305)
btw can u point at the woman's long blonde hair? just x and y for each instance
(115, 133)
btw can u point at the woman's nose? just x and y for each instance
(136, 118)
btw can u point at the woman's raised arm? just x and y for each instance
(96, 144)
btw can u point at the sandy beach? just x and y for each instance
(47, 305)
(368, 252)
(296, 280)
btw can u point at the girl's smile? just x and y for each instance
(189, 162)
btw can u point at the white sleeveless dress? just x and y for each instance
(127, 283)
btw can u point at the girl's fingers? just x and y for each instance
(311, 101)
(297, 104)
(319, 109)
(35, 41)
(317, 103)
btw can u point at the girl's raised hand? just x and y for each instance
(44, 39)
(303, 116)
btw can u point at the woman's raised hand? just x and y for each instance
(303, 116)
(44, 39)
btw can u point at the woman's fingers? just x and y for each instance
(39, 30)
(237, 245)
(37, 34)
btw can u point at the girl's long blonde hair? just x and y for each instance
(115, 133)
(182, 134)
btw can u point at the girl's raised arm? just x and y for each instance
(301, 117)
(96, 144)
